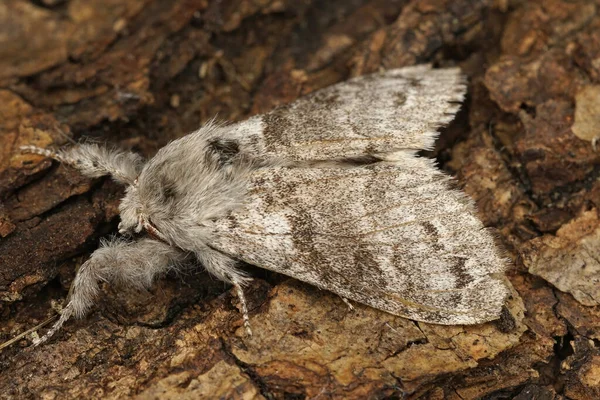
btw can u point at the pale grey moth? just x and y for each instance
(328, 190)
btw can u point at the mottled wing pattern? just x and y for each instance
(392, 235)
(394, 110)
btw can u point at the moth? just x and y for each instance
(329, 190)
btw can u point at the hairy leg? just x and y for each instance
(94, 161)
(129, 263)
(223, 267)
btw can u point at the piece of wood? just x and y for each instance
(142, 72)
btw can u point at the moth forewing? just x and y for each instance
(396, 109)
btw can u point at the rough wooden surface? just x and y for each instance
(139, 73)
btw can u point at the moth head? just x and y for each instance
(134, 217)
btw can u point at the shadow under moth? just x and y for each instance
(328, 190)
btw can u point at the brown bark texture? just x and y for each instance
(139, 73)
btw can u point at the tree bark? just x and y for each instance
(140, 73)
